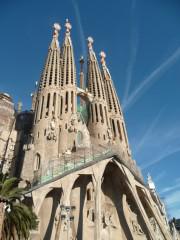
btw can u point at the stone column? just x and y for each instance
(97, 184)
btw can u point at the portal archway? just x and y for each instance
(48, 214)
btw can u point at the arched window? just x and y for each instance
(37, 163)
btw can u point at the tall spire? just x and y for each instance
(95, 83)
(68, 94)
(45, 132)
(51, 72)
(114, 109)
(150, 183)
(98, 124)
(68, 76)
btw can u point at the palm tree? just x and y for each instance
(17, 219)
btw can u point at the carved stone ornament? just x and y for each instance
(132, 220)
(107, 219)
(51, 131)
(156, 229)
(109, 133)
(72, 124)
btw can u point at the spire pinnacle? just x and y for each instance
(81, 61)
(150, 182)
(90, 42)
(68, 26)
(57, 28)
(103, 56)
(55, 42)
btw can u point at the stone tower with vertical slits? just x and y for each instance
(115, 114)
(68, 96)
(98, 124)
(45, 134)
(55, 113)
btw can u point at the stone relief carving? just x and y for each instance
(72, 124)
(132, 220)
(156, 229)
(51, 131)
(29, 142)
(109, 223)
(109, 133)
(108, 219)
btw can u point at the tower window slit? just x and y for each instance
(67, 69)
(71, 60)
(61, 108)
(96, 110)
(72, 101)
(58, 105)
(42, 107)
(47, 105)
(92, 113)
(37, 108)
(102, 86)
(119, 130)
(114, 128)
(106, 114)
(66, 103)
(54, 104)
(114, 102)
(101, 113)
(109, 94)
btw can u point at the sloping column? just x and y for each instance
(131, 186)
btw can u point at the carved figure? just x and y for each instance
(132, 219)
(51, 135)
(107, 219)
(156, 229)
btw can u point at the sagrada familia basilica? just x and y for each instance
(72, 153)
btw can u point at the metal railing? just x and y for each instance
(81, 159)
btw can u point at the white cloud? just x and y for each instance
(172, 200)
(171, 188)
(147, 133)
(133, 51)
(174, 212)
(151, 78)
(160, 176)
(80, 27)
(163, 155)
(157, 144)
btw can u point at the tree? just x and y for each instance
(16, 219)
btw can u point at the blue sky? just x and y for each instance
(142, 43)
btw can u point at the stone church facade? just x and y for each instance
(72, 152)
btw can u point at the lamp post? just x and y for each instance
(66, 215)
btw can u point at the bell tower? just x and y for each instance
(68, 95)
(116, 119)
(45, 133)
(98, 124)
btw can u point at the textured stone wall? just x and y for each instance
(93, 204)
